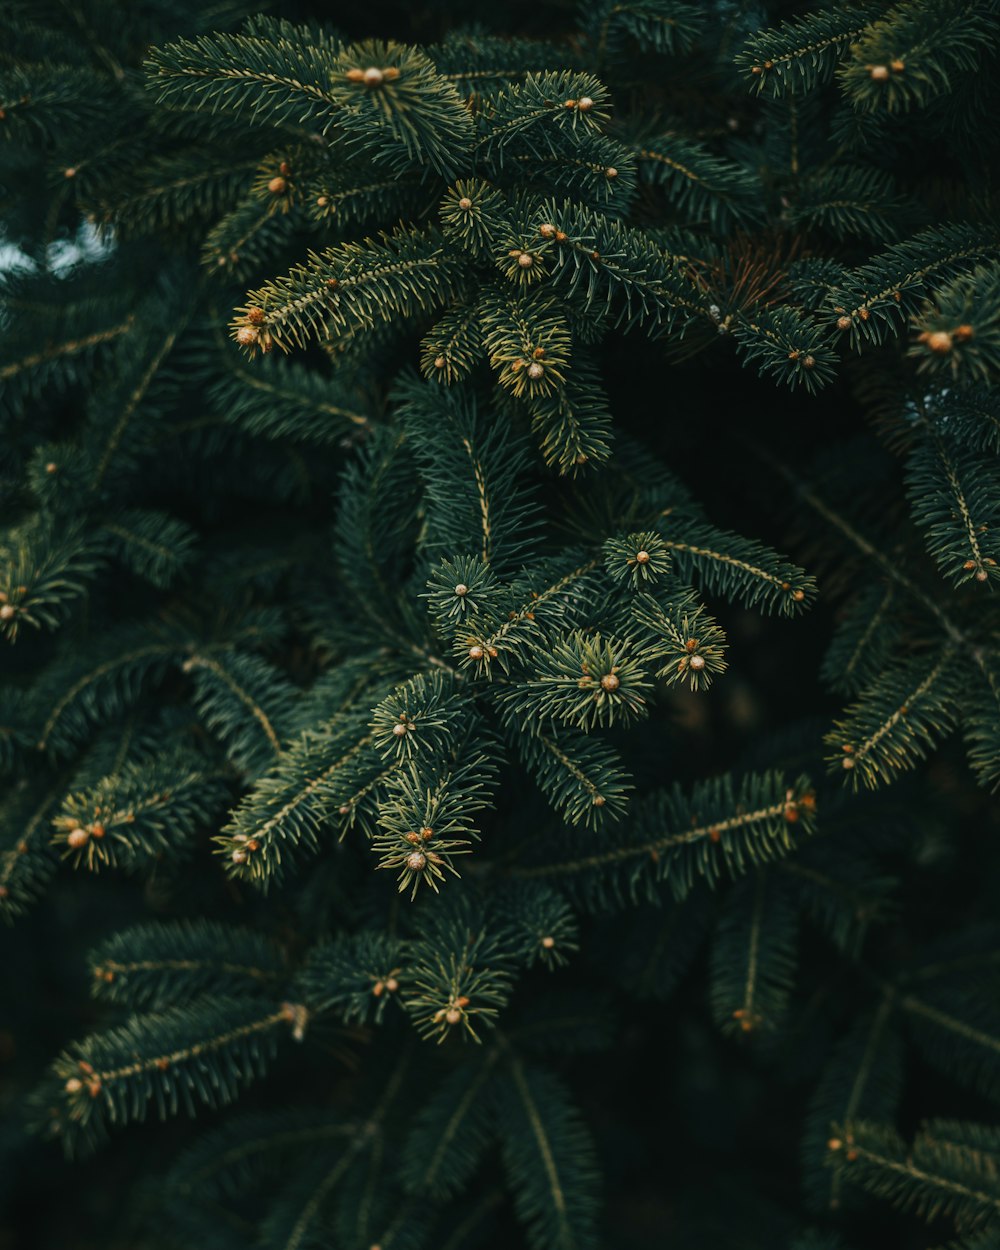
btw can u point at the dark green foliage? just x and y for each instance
(549, 1161)
(132, 967)
(403, 422)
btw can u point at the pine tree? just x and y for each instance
(551, 459)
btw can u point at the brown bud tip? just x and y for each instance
(756, 69)
(426, 832)
(843, 323)
(847, 762)
(344, 809)
(561, 236)
(599, 800)
(73, 1085)
(391, 984)
(798, 595)
(246, 335)
(239, 856)
(4, 892)
(439, 362)
(963, 333)
(610, 681)
(642, 557)
(255, 316)
(416, 861)
(569, 104)
(373, 76)
(453, 1015)
(969, 565)
(698, 662)
(69, 173)
(879, 73)
(476, 653)
(834, 1144)
(535, 370)
(77, 838)
(277, 186)
(8, 612)
(939, 342)
(897, 66)
(791, 813)
(51, 467)
(548, 942)
(808, 362)
(526, 260)
(355, 75)
(547, 230)
(851, 1156)
(399, 730)
(982, 575)
(584, 103)
(611, 172)
(322, 201)
(461, 589)
(465, 203)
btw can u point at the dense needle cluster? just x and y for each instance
(413, 731)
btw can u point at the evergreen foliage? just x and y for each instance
(412, 727)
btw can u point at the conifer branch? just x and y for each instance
(70, 348)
